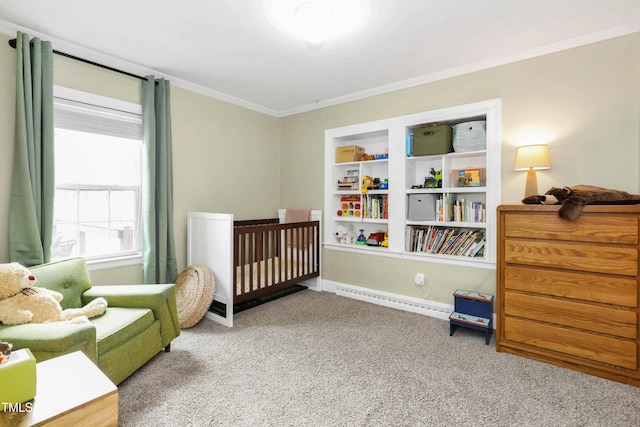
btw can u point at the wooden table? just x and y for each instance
(70, 390)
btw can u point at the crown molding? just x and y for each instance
(470, 68)
(133, 68)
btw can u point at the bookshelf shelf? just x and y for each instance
(447, 190)
(453, 224)
(359, 220)
(474, 202)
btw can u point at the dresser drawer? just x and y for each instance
(621, 260)
(616, 290)
(611, 229)
(589, 346)
(590, 317)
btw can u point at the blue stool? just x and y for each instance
(473, 310)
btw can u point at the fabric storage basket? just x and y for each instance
(432, 139)
(470, 136)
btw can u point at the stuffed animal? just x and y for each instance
(21, 302)
(344, 236)
(574, 198)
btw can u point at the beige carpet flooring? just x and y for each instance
(316, 359)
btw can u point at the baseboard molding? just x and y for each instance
(387, 299)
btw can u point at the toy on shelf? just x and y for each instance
(432, 181)
(350, 181)
(361, 239)
(435, 180)
(367, 183)
(343, 235)
(370, 183)
(368, 157)
(350, 206)
(345, 185)
(385, 242)
(375, 238)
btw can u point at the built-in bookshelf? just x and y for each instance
(383, 188)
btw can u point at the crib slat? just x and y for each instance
(272, 253)
(309, 250)
(242, 261)
(259, 252)
(283, 258)
(298, 248)
(253, 277)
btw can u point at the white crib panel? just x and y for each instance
(210, 242)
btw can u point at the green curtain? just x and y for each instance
(32, 184)
(158, 243)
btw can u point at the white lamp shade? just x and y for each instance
(534, 157)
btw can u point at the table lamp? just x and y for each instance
(532, 158)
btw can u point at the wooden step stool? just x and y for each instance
(473, 310)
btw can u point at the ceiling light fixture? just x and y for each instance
(317, 21)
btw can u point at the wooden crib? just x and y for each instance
(253, 258)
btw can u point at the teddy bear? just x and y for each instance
(21, 302)
(575, 197)
(344, 236)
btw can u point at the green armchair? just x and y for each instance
(139, 322)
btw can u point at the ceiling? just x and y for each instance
(229, 50)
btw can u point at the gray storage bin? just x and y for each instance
(470, 136)
(422, 207)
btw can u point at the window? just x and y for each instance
(98, 174)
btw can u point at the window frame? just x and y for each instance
(116, 104)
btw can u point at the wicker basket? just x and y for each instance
(195, 288)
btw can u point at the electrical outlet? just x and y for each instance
(419, 279)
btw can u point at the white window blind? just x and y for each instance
(83, 117)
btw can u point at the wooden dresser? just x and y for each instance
(567, 292)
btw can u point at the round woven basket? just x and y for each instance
(195, 288)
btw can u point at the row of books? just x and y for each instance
(375, 206)
(463, 210)
(466, 211)
(445, 241)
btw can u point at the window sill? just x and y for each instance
(115, 262)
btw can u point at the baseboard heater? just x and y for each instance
(414, 305)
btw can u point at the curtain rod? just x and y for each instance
(13, 43)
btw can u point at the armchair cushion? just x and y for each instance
(119, 325)
(161, 299)
(47, 340)
(69, 277)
